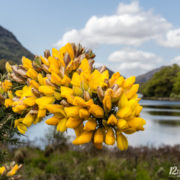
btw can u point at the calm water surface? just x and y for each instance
(162, 125)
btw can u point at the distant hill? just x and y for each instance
(164, 83)
(147, 76)
(11, 48)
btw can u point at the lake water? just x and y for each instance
(162, 125)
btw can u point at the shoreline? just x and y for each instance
(161, 98)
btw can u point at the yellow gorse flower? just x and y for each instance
(100, 109)
(9, 170)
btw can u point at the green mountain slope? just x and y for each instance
(11, 48)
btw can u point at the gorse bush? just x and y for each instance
(99, 108)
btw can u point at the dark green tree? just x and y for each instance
(176, 86)
(162, 82)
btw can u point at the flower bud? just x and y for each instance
(99, 136)
(112, 120)
(86, 96)
(110, 138)
(122, 142)
(100, 93)
(90, 125)
(47, 53)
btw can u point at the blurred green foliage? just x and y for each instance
(165, 83)
(88, 163)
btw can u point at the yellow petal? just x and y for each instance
(73, 122)
(85, 67)
(66, 80)
(122, 124)
(10, 94)
(13, 171)
(30, 101)
(2, 170)
(96, 111)
(55, 108)
(76, 80)
(129, 130)
(78, 101)
(70, 50)
(55, 53)
(110, 138)
(107, 103)
(32, 73)
(132, 91)
(22, 128)
(19, 108)
(138, 110)
(112, 120)
(18, 93)
(41, 113)
(17, 122)
(27, 91)
(28, 119)
(8, 103)
(53, 120)
(57, 95)
(47, 90)
(90, 125)
(54, 65)
(77, 91)
(72, 111)
(70, 98)
(43, 101)
(34, 84)
(137, 123)
(124, 112)
(83, 113)
(114, 77)
(122, 142)
(44, 60)
(119, 81)
(40, 79)
(6, 85)
(85, 137)
(129, 81)
(123, 101)
(27, 63)
(56, 79)
(67, 49)
(8, 67)
(62, 125)
(95, 80)
(65, 91)
(99, 136)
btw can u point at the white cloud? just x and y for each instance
(171, 39)
(175, 60)
(130, 25)
(133, 62)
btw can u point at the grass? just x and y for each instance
(85, 162)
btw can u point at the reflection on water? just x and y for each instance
(162, 125)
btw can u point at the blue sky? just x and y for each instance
(132, 37)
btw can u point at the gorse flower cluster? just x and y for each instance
(100, 108)
(10, 171)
